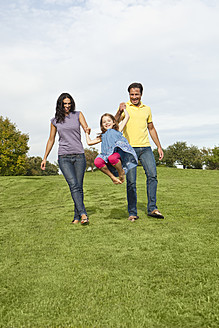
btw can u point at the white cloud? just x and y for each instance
(95, 49)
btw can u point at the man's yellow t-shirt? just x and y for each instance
(136, 131)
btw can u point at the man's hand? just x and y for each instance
(160, 152)
(122, 106)
(43, 164)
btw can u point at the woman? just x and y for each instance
(71, 156)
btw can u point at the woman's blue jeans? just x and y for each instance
(146, 157)
(73, 168)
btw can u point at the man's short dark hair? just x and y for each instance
(136, 85)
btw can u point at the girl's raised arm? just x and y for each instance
(124, 121)
(92, 142)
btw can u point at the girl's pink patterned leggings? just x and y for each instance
(113, 159)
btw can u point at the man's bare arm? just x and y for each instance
(154, 136)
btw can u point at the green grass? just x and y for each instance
(113, 273)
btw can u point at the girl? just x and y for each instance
(116, 153)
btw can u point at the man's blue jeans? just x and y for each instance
(73, 167)
(146, 157)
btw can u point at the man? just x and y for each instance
(136, 132)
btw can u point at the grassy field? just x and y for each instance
(113, 273)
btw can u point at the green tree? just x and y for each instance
(180, 153)
(33, 167)
(211, 158)
(13, 149)
(169, 158)
(90, 154)
(176, 154)
(195, 158)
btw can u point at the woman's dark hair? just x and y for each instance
(60, 112)
(136, 85)
(115, 123)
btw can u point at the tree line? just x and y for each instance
(190, 157)
(14, 159)
(13, 153)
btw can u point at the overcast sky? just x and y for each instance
(94, 49)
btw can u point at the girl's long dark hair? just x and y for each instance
(115, 123)
(60, 112)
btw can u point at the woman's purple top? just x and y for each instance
(69, 134)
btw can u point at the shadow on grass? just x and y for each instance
(120, 214)
(91, 210)
(142, 207)
(117, 214)
(32, 178)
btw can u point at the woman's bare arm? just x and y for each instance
(49, 145)
(84, 123)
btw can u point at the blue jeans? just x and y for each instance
(146, 157)
(73, 167)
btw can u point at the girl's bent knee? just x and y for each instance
(114, 158)
(99, 162)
